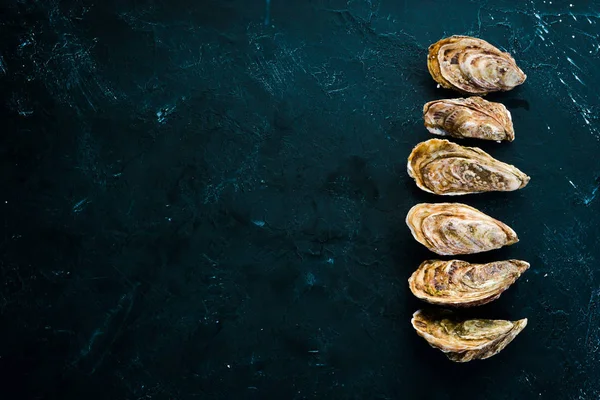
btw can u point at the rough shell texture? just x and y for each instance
(446, 168)
(462, 284)
(454, 228)
(472, 117)
(465, 339)
(473, 66)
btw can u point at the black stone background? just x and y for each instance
(206, 199)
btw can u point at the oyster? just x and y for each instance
(446, 168)
(465, 339)
(454, 228)
(462, 284)
(472, 117)
(471, 65)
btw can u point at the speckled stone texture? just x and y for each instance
(206, 199)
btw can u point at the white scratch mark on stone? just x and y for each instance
(24, 113)
(80, 205)
(563, 82)
(163, 113)
(588, 200)
(577, 78)
(573, 63)
(572, 184)
(338, 90)
(104, 336)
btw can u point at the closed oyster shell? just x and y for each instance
(471, 65)
(455, 228)
(446, 168)
(472, 117)
(462, 284)
(465, 339)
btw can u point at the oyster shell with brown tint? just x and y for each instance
(462, 284)
(455, 228)
(465, 339)
(446, 168)
(471, 65)
(472, 117)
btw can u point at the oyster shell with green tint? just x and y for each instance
(471, 65)
(462, 284)
(446, 168)
(465, 339)
(455, 228)
(472, 117)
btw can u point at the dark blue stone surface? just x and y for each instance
(206, 199)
